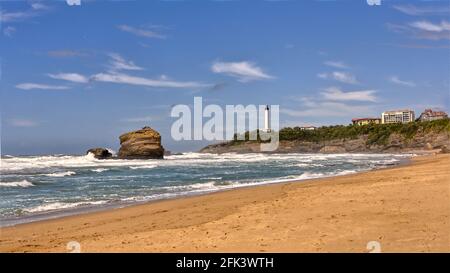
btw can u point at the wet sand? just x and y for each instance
(404, 209)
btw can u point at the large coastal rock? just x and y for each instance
(141, 144)
(100, 153)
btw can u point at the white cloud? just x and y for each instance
(422, 10)
(30, 86)
(9, 31)
(431, 27)
(344, 77)
(72, 77)
(396, 80)
(23, 123)
(7, 17)
(114, 75)
(335, 94)
(161, 82)
(424, 30)
(337, 64)
(39, 6)
(339, 76)
(244, 71)
(117, 63)
(36, 9)
(141, 32)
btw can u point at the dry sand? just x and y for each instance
(405, 209)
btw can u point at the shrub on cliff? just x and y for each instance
(376, 133)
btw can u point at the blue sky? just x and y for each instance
(75, 77)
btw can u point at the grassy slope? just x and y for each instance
(377, 133)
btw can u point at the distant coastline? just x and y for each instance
(370, 138)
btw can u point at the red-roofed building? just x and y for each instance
(429, 115)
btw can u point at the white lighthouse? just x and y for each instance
(266, 119)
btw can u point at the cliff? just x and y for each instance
(374, 138)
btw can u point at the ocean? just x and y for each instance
(41, 187)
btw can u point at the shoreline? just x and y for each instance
(62, 213)
(206, 222)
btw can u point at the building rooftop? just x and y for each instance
(432, 113)
(360, 119)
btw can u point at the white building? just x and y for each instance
(308, 128)
(266, 119)
(397, 116)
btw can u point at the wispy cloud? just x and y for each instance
(424, 29)
(336, 94)
(39, 6)
(142, 32)
(245, 71)
(344, 77)
(63, 53)
(8, 17)
(423, 10)
(337, 64)
(431, 27)
(35, 9)
(117, 63)
(162, 82)
(396, 80)
(30, 86)
(9, 31)
(327, 109)
(332, 103)
(72, 77)
(23, 123)
(114, 75)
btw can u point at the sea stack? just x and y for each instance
(141, 144)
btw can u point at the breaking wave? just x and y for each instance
(21, 184)
(61, 174)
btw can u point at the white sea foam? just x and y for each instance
(143, 167)
(189, 173)
(22, 184)
(61, 174)
(37, 163)
(61, 205)
(100, 170)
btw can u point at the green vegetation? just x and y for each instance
(376, 133)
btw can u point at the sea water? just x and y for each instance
(39, 187)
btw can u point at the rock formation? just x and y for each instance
(100, 153)
(395, 144)
(141, 144)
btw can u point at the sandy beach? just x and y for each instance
(404, 208)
